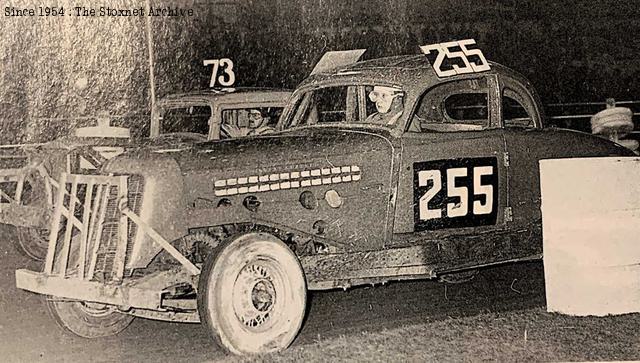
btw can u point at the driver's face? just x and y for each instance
(255, 119)
(382, 100)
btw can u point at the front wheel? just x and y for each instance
(88, 320)
(252, 295)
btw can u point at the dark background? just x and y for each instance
(572, 51)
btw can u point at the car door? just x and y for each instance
(453, 180)
(526, 145)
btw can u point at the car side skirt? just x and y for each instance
(344, 270)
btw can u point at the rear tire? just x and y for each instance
(33, 242)
(88, 320)
(252, 295)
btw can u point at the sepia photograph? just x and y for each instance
(319, 181)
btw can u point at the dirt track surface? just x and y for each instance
(28, 333)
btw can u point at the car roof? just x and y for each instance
(405, 71)
(229, 95)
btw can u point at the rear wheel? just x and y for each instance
(33, 242)
(88, 320)
(252, 295)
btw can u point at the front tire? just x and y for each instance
(252, 295)
(88, 320)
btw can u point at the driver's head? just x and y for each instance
(384, 97)
(255, 118)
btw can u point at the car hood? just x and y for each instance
(299, 147)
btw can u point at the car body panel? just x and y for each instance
(307, 160)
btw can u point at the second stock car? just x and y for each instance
(417, 166)
(29, 172)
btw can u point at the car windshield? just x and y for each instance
(378, 105)
(194, 118)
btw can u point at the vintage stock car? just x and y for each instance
(408, 167)
(29, 173)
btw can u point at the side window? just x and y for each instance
(331, 104)
(186, 119)
(239, 122)
(325, 106)
(467, 108)
(453, 106)
(352, 104)
(514, 113)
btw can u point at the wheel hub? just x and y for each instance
(94, 309)
(255, 295)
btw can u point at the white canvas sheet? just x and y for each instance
(591, 235)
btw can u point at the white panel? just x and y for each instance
(591, 223)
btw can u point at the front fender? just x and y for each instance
(162, 206)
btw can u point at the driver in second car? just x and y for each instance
(257, 125)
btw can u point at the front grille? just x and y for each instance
(135, 192)
(105, 269)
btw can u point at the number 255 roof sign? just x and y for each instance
(452, 58)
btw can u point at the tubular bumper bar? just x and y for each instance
(83, 290)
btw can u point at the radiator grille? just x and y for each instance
(105, 270)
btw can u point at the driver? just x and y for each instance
(257, 125)
(389, 105)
